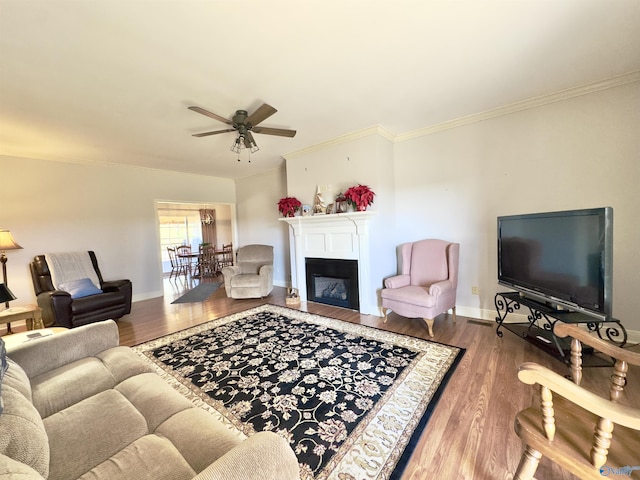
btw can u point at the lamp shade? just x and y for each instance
(7, 242)
(5, 294)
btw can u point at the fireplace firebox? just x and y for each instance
(333, 282)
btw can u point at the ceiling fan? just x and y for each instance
(244, 124)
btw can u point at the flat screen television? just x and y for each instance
(564, 259)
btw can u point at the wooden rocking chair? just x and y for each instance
(575, 428)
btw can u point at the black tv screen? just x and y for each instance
(562, 258)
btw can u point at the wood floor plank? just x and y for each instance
(470, 434)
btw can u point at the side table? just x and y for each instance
(31, 313)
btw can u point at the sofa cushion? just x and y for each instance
(251, 267)
(90, 432)
(410, 295)
(148, 458)
(122, 363)
(214, 438)
(22, 433)
(153, 397)
(97, 302)
(245, 281)
(64, 386)
(429, 262)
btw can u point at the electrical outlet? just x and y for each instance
(474, 290)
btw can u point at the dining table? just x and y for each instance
(198, 266)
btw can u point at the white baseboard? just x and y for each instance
(146, 296)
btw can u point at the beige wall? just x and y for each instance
(577, 153)
(257, 214)
(56, 207)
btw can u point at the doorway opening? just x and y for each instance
(194, 225)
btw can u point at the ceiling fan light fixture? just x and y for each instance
(250, 143)
(237, 145)
(244, 141)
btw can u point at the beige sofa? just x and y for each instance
(77, 405)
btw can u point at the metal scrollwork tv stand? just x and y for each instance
(538, 329)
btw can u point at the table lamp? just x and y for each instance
(5, 294)
(6, 243)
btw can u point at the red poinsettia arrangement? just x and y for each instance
(288, 206)
(360, 196)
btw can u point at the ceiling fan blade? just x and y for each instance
(211, 115)
(206, 134)
(262, 113)
(275, 131)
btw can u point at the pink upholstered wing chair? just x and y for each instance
(427, 284)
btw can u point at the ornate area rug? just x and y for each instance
(352, 400)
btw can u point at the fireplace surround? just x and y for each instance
(342, 236)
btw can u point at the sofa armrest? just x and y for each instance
(266, 274)
(439, 288)
(228, 273)
(121, 286)
(263, 456)
(115, 285)
(56, 308)
(397, 281)
(54, 351)
(266, 270)
(13, 470)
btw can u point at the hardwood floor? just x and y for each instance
(470, 434)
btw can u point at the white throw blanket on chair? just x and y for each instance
(69, 266)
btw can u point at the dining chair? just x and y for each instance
(226, 259)
(175, 266)
(185, 258)
(206, 265)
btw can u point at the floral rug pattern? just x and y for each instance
(347, 397)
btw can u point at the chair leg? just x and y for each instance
(528, 464)
(454, 314)
(429, 325)
(384, 312)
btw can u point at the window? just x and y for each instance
(178, 227)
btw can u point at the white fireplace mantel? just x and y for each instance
(342, 236)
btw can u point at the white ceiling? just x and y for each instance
(110, 80)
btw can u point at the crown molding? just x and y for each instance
(365, 132)
(535, 102)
